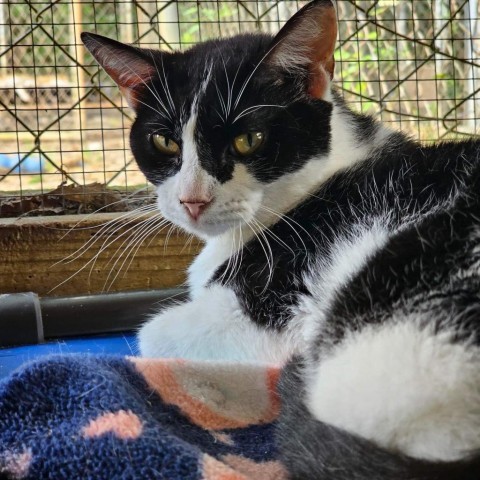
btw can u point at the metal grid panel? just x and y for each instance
(415, 64)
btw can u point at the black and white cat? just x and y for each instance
(332, 242)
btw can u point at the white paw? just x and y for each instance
(212, 327)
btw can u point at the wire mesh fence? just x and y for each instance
(63, 125)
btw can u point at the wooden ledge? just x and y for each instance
(38, 254)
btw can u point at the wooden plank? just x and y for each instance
(85, 254)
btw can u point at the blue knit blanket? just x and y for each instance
(81, 417)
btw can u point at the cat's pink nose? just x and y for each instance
(195, 207)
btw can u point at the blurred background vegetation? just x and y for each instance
(413, 63)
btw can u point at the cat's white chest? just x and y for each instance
(215, 252)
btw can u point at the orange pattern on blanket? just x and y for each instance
(215, 470)
(15, 465)
(273, 376)
(224, 438)
(123, 424)
(214, 395)
(272, 470)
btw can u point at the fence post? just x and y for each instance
(162, 20)
(3, 36)
(471, 70)
(78, 74)
(126, 15)
(169, 27)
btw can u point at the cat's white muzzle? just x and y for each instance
(232, 204)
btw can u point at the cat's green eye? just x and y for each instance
(247, 143)
(165, 144)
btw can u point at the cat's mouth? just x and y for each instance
(214, 219)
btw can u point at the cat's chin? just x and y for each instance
(209, 229)
(205, 228)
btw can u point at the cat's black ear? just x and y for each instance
(129, 67)
(307, 41)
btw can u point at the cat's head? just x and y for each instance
(220, 125)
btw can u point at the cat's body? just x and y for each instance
(332, 240)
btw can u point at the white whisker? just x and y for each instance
(162, 104)
(254, 108)
(227, 267)
(107, 242)
(247, 81)
(135, 233)
(92, 214)
(167, 88)
(167, 238)
(287, 220)
(269, 259)
(229, 89)
(233, 84)
(156, 228)
(105, 227)
(222, 103)
(274, 236)
(132, 248)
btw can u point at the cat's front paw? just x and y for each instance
(158, 338)
(212, 327)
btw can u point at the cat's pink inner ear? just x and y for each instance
(307, 41)
(126, 65)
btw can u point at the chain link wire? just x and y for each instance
(414, 64)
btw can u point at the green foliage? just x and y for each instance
(203, 22)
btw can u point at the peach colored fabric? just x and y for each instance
(264, 471)
(16, 465)
(223, 438)
(273, 376)
(215, 470)
(123, 424)
(214, 395)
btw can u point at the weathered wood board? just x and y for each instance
(38, 254)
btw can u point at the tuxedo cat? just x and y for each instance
(331, 243)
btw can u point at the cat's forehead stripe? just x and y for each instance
(188, 113)
(195, 182)
(190, 154)
(208, 76)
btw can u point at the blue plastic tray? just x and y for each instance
(119, 344)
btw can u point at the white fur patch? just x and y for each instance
(403, 387)
(189, 147)
(349, 254)
(216, 251)
(194, 182)
(212, 327)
